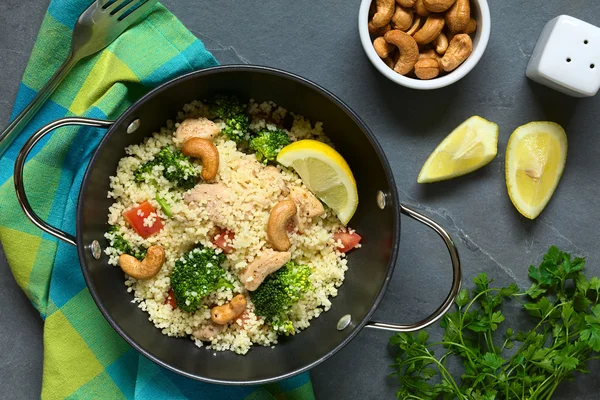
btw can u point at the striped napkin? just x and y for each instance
(83, 356)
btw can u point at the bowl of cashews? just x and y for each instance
(424, 44)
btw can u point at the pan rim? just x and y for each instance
(393, 196)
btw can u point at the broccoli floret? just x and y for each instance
(177, 168)
(119, 243)
(267, 144)
(278, 292)
(195, 276)
(234, 114)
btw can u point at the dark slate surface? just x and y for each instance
(319, 40)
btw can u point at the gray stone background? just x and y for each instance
(319, 40)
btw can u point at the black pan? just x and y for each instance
(369, 269)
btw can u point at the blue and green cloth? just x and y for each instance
(83, 356)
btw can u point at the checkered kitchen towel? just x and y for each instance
(83, 356)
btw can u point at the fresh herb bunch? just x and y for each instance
(505, 364)
(196, 275)
(267, 144)
(234, 114)
(177, 168)
(279, 291)
(118, 242)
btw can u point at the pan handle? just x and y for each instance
(456, 278)
(20, 166)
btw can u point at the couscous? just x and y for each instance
(230, 251)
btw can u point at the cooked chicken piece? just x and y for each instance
(272, 174)
(308, 204)
(269, 262)
(308, 207)
(211, 197)
(197, 127)
(206, 333)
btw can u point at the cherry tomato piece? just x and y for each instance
(223, 241)
(349, 240)
(170, 300)
(136, 215)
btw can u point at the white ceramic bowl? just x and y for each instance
(480, 11)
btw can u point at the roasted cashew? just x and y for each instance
(207, 332)
(228, 312)
(402, 18)
(409, 50)
(459, 50)
(420, 8)
(441, 43)
(145, 269)
(430, 30)
(206, 151)
(256, 272)
(378, 31)
(471, 27)
(438, 6)
(383, 48)
(390, 62)
(415, 26)
(427, 68)
(279, 219)
(430, 53)
(406, 3)
(384, 13)
(459, 15)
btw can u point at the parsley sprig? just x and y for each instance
(563, 309)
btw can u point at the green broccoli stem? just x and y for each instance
(164, 206)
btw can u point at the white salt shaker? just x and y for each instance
(567, 57)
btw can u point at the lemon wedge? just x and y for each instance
(469, 147)
(325, 173)
(535, 159)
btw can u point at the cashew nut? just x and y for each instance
(145, 269)
(206, 151)
(256, 272)
(228, 312)
(430, 30)
(441, 43)
(384, 13)
(420, 8)
(409, 50)
(438, 6)
(207, 332)
(383, 48)
(279, 219)
(430, 53)
(459, 15)
(415, 26)
(406, 3)
(459, 50)
(471, 27)
(378, 31)
(427, 68)
(197, 127)
(390, 62)
(402, 18)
